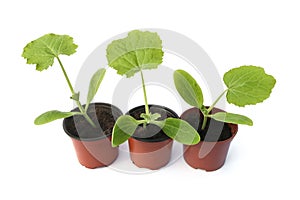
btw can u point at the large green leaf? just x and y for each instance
(248, 85)
(139, 50)
(179, 130)
(43, 50)
(232, 118)
(51, 116)
(188, 88)
(123, 129)
(94, 85)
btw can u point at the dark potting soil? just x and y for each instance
(214, 130)
(151, 133)
(104, 117)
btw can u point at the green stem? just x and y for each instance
(216, 101)
(145, 95)
(204, 122)
(89, 120)
(73, 92)
(142, 121)
(66, 76)
(206, 114)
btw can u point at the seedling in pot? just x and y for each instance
(246, 85)
(133, 54)
(42, 52)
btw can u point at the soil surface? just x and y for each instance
(103, 115)
(214, 130)
(151, 133)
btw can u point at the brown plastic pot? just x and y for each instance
(93, 145)
(208, 156)
(151, 152)
(151, 155)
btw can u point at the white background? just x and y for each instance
(38, 162)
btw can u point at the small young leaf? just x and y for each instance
(75, 96)
(139, 50)
(154, 116)
(179, 130)
(43, 50)
(232, 118)
(123, 129)
(248, 85)
(51, 116)
(150, 117)
(94, 84)
(188, 88)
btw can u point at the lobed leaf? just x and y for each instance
(139, 50)
(51, 116)
(248, 85)
(94, 84)
(188, 88)
(179, 130)
(43, 50)
(123, 129)
(232, 118)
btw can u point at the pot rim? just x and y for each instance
(158, 106)
(233, 128)
(107, 105)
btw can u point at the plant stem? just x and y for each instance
(142, 121)
(66, 76)
(210, 109)
(145, 95)
(216, 101)
(89, 120)
(73, 93)
(204, 122)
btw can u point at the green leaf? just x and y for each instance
(150, 117)
(232, 118)
(139, 50)
(154, 116)
(94, 84)
(123, 129)
(43, 50)
(75, 96)
(188, 88)
(179, 130)
(248, 85)
(52, 115)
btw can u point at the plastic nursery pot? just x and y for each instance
(209, 154)
(150, 147)
(93, 145)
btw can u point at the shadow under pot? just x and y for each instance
(93, 145)
(149, 146)
(211, 152)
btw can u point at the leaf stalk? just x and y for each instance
(145, 95)
(83, 111)
(207, 112)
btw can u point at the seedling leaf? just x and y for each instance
(139, 50)
(232, 118)
(94, 84)
(188, 88)
(248, 85)
(75, 96)
(179, 130)
(51, 116)
(43, 50)
(123, 129)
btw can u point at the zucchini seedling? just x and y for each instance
(142, 50)
(42, 52)
(246, 85)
